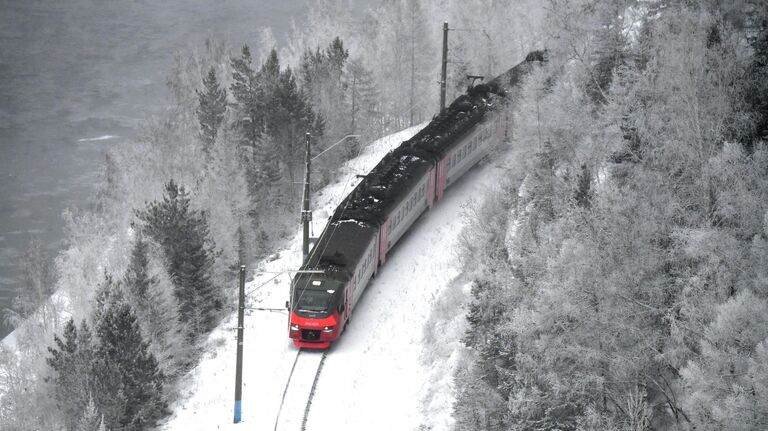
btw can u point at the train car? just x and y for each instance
(370, 221)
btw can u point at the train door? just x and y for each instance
(383, 239)
(442, 175)
(348, 292)
(430, 191)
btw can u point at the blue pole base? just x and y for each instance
(237, 411)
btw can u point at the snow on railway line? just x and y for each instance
(373, 377)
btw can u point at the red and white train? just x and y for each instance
(370, 220)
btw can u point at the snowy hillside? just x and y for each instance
(378, 375)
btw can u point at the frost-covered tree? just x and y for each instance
(364, 99)
(728, 384)
(211, 109)
(71, 362)
(34, 296)
(755, 88)
(150, 293)
(91, 419)
(183, 234)
(249, 118)
(127, 380)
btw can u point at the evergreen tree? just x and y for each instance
(71, 360)
(290, 115)
(211, 108)
(155, 307)
(189, 253)
(337, 57)
(611, 49)
(137, 278)
(243, 78)
(129, 383)
(91, 419)
(583, 194)
(756, 84)
(243, 88)
(38, 282)
(267, 161)
(323, 74)
(363, 99)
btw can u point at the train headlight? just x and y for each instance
(294, 327)
(328, 329)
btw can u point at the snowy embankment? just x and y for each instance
(381, 374)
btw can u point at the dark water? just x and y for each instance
(74, 70)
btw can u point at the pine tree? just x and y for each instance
(363, 97)
(583, 193)
(267, 161)
(155, 307)
(611, 51)
(756, 86)
(243, 78)
(37, 288)
(137, 278)
(323, 75)
(211, 108)
(244, 90)
(185, 239)
(337, 58)
(290, 114)
(91, 419)
(129, 383)
(71, 361)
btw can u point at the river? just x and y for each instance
(77, 77)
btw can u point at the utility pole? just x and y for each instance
(445, 66)
(413, 62)
(239, 365)
(306, 214)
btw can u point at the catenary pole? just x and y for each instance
(443, 78)
(240, 324)
(306, 215)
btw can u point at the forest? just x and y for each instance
(619, 271)
(619, 276)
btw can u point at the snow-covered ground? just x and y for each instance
(381, 374)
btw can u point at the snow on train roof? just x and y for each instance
(340, 256)
(355, 221)
(388, 183)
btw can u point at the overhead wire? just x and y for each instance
(346, 204)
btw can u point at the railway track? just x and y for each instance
(299, 390)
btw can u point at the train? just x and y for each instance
(408, 181)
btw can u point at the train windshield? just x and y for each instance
(317, 300)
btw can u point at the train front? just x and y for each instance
(316, 310)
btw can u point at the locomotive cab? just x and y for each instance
(317, 311)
